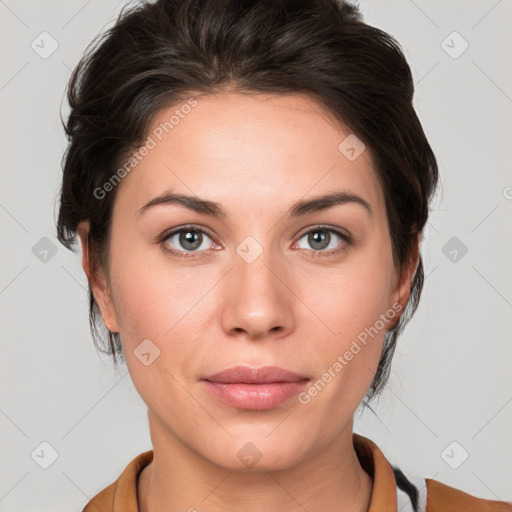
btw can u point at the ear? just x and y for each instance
(97, 280)
(402, 285)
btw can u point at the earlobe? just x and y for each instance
(97, 280)
(106, 305)
(402, 291)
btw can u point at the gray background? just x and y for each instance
(451, 378)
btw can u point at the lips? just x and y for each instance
(263, 375)
(255, 388)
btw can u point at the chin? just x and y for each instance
(257, 453)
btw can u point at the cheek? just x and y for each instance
(352, 303)
(155, 304)
(346, 357)
(350, 298)
(151, 295)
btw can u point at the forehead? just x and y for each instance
(257, 149)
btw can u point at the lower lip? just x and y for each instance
(255, 396)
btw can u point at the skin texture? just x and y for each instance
(293, 306)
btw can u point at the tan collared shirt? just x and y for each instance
(387, 496)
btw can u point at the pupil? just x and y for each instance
(319, 237)
(188, 238)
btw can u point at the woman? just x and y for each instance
(250, 183)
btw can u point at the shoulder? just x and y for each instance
(443, 498)
(103, 500)
(404, 489)
(121, 495)
(418, 494)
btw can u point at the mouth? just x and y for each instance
(255, 388)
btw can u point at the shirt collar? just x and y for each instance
(376, 465)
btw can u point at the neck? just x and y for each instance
(179, 479)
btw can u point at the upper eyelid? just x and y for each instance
(326, 227)
(172, 232)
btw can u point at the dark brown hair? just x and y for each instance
(157, 53)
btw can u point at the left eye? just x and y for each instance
(321, 239)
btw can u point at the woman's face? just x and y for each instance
(310, 290)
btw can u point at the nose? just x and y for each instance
(257, 302)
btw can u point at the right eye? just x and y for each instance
(185, 241)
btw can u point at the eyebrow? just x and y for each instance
(297, 209)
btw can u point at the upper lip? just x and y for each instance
(263, 375)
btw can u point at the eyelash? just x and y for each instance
(193, 254)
